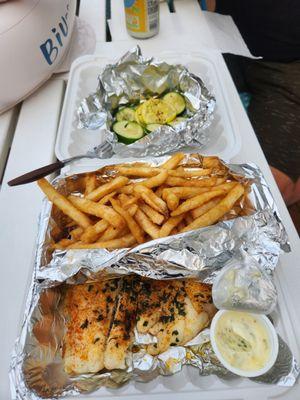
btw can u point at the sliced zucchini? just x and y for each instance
(177, 121)
(157, 111)
(127, 131)
(153, 127)
(126, 114)
(176, 101)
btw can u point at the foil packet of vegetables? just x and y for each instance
(144, 106)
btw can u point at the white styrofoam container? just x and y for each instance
(188, 384)
(225, 139)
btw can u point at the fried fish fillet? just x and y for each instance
(200, 296)
(171, 320)
(100, 318)
(153, 297)
(121, 333)
(88, 309)
(180, 316)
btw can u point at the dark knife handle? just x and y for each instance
(36, 174)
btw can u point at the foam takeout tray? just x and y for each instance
(225, 139)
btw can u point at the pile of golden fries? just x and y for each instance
(141, 203)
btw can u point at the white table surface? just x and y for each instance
(27, 139)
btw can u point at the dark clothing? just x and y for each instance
(271, 28)
(274, 109)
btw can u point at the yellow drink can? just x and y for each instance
(142, 18)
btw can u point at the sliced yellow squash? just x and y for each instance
(139, 115)
(157, 111)
(175, 100)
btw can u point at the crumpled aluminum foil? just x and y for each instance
(200, 253)
(37, 367)
(133, 77)
(256, 241)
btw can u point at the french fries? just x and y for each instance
(64, 204)
(132, 225)
(155, 181)
(125, 241)
(173, 161)
(99, 210)
(197, 212)
(155, 216)
(159, 191)
(141, 172)
(143, 203)
(211, 162)
(90, 183)
(215, 213)
(196, 201)
(189, 172)
(92, 233)
(112, 233)
(146, 224)
(151, 199)
(109, 187)
(63, 243)
(168, 226)
(205, 182)
(172, 200)
(188, 219)
(76, 233)
(106, 198)
(184, 192)
(128, 189)
(126, 202)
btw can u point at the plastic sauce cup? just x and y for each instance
(273, 343)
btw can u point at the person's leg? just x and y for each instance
(274, 112)
(289, 189)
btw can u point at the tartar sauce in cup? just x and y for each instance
(245, 343)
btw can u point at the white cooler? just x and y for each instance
(34, 38)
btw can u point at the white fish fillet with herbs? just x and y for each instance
(101, 317)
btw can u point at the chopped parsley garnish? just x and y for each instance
(85, 324)
(167, 318)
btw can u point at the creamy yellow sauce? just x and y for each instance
(243, 341)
